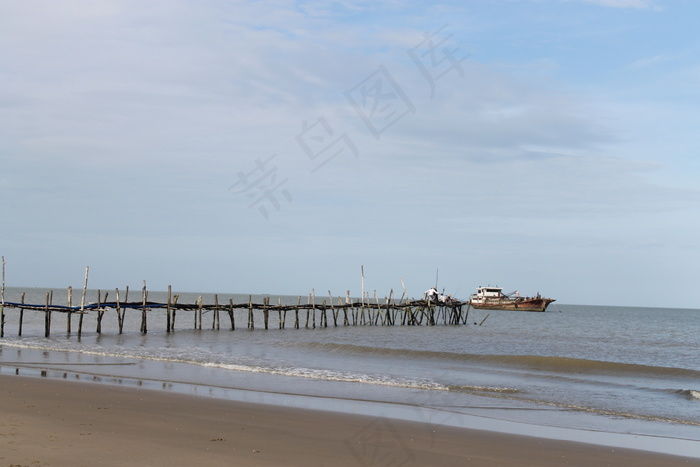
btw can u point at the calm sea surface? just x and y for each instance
(601, 371)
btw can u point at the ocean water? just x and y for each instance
(610, 375)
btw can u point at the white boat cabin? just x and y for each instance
(489, 291)
(484, 293)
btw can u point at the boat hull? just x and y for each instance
(518, 304)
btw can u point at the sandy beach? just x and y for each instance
(61, 423)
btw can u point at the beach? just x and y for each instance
(48, 422)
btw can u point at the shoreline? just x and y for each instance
(57, 422)
(442, 416)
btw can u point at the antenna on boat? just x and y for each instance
(437, 272)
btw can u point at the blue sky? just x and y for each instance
(277, 147)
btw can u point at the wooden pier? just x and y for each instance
(315, 312)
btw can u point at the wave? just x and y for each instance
(251, 366)
(484, 389)
(543, 363)
(333, 375)
(689, 394)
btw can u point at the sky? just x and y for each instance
(287, 146)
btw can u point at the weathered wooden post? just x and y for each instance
(482, 321)
(279, 312)
(335, 314)
(313, 305)
(389, 307)
(120, 318)
(21, 316)
(47, 317)
(144, 314)
(296, 314)
(251, 319)
(82, 302)
(215, 321)
(168, 318)
(69, 315)
(172, 324)
(230, 314)
(198, 315)
(126, 301)
(379, 309)
(266, 312)
(100, 313)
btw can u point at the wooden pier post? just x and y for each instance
(120, 319)
(379, 310)
(482, 321)
(215, 321)
(82, 302)
(21, 316)
(396, 311)
(69, 315)
(296, 314)
(335, 314)
(230, 314)
(279, 312)
(144, 314)
(390, 306)
(100, 313)
(266, 313)
(345, 309)
(126, 300)
(313, 306)
(362, 310)
(251, 318)
(386, 319)
(195, 315)
(47, 317)
(172, 323)
(168, 319)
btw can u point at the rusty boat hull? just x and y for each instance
(517, 304)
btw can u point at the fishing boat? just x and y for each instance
(493, 298)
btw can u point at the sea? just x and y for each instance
(608, 375)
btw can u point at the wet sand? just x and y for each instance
(48, 422)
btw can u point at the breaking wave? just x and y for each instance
(689, 394)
